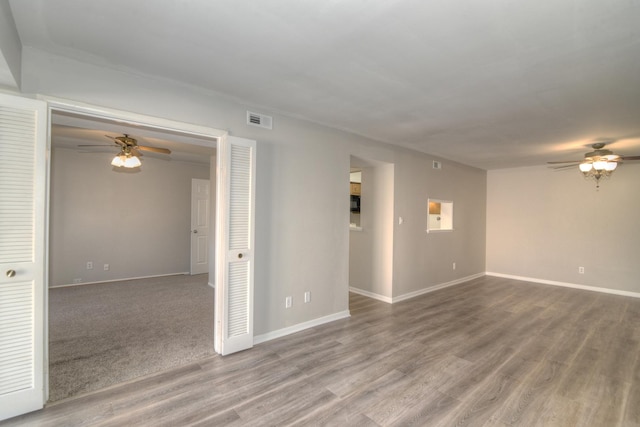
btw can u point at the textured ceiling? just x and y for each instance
(492, 83)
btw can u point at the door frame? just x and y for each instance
(60, 105)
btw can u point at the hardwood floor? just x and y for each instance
(490, 352)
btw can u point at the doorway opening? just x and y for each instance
(371, 242)
(120, 253)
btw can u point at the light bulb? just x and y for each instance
(600, 165)
(611, 166)
(118, 161)
(132, 162)
(585, 167)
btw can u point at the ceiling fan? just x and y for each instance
(599, 163)
(129, 151)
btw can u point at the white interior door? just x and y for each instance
(235, 216)
(200, 202)
(22, 244)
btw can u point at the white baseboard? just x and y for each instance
(184, 273)
(370, 295)
(414, 294)
(436, 287)
(300, 327)
(344, 314)
(566, 284)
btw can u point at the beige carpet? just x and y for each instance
(108, 333)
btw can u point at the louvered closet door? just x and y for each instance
(22, 209)
(235, 244)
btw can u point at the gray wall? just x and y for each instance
(544, 224)
(424, 260)
(138, 222)
(302, 204)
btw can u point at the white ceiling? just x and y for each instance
(491, 83)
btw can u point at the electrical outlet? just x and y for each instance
(307, 297)
(106, 267)
(454, 265)
(89, 265)
(581, 270)
(77, 280)
(288, 302)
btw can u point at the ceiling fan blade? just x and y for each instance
(565, 161)
(155, 149)
(563, 167)
(98, 145)
(136, 152)
(630, 157)
(116, 140)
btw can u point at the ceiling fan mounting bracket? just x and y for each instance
(126, 140)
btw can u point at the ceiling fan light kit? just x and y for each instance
(126, 161)
(599, 163)
(597, 169)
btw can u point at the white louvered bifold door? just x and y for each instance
(235, 214)
(22, 213)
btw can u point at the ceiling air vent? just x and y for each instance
(260, 120)
(437, 164)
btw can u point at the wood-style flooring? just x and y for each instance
(489, 352)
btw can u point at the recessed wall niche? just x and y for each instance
(439, 215)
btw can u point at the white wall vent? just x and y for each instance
(260, 120)
(437, 164)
